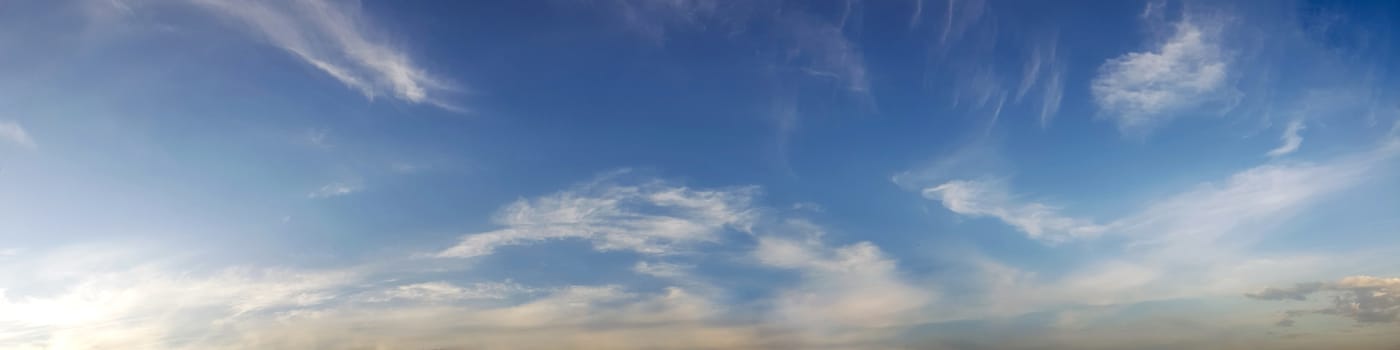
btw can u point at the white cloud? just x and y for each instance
(1144, 89)
(335, 38)
(849, 294)
(662, 269)
(1291, 139)
(146, 306)
(648, 218)
(166, 307)
(1044, 69)
(986, 198)
(12, 132)
(1202, 214)
(336, 189)
(1197, 243)
(445, 291)
(1255, 196)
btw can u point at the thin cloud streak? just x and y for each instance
(336, 189)
(335, 38)
(1291, 139)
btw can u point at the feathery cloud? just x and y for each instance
(649, 218)
(1291, 139)
(335, 38)
(985, 198)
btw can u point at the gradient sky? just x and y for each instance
(697, 174)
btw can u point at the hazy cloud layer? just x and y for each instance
(845, 296)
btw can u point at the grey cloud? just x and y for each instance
(1297, 292)
(1364, 299)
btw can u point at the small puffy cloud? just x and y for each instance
(1291, 139)
(648, 218)
(336, 38)
(1141, 90)
(13, 133)
(1364, 299)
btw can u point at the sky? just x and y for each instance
(699, 174)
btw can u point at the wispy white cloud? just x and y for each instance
(335, 38)
(815, 46)
(446, 291)
(1203, 213)
(1141, 90)
(989, 198)
(336, 189)
(662, 269)
(12, 132)
(653, 19)
(1291, 139)
(822, 50)
(649, 218)
(318, 138)
(1197, 243)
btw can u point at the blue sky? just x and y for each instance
(695, 174)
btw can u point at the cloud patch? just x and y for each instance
(15, 134)
(1291, 139)
(1141, 90)
(336, 189)
(852, 288)
(650, 218)
(1364, 299)
(986, 198)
